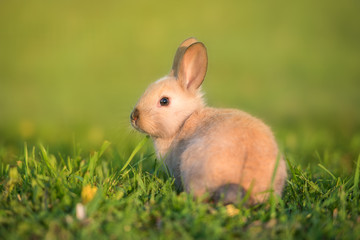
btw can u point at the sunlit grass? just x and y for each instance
(81, 196)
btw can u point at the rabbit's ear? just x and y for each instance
(179, 54)
(192, 66)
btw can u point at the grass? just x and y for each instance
(43, 193)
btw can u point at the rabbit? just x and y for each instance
(218, 153)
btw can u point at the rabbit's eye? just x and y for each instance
(164, 101)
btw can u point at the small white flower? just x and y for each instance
(80, 212)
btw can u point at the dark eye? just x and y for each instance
(164, 101)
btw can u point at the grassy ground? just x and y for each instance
(101, 195)
(70, 72)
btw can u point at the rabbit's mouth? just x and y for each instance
(135, 125)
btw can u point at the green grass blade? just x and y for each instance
(137, 148)
(273, 198)
(275, 171)
(356, 177)
(34, 162)
(103, 148)
(26, 155)
(326, 170)
(291, 168)
(93, 160)
(47, 160)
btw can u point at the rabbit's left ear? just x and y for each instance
(179, 54)
(192, 66)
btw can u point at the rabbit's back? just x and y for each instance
(218, 147)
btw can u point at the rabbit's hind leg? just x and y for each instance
(228, 193)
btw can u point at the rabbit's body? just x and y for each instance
(208, 150)
(228, 147)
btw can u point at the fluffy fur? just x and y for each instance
(219, 152)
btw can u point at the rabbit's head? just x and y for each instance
(168, 102)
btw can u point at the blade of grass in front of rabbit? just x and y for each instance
(136, 149)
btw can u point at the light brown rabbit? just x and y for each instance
(219, 152)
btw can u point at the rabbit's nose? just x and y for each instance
(135, 115)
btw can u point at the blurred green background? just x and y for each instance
(74, 69)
